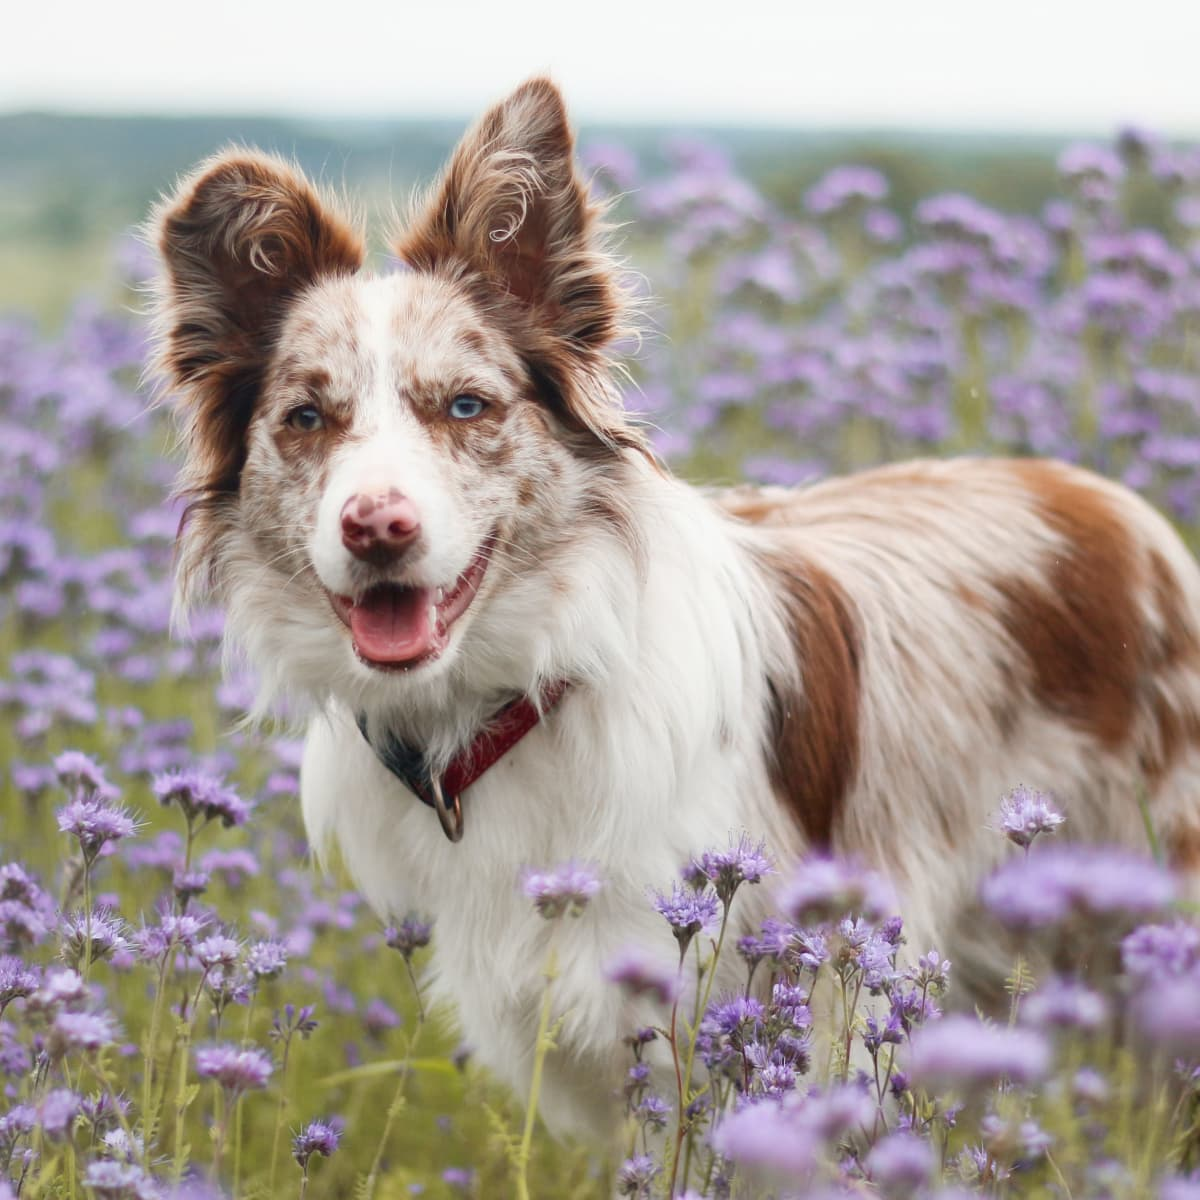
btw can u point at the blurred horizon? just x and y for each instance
(71, 185)
(937, 65)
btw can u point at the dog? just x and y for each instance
(427, 513)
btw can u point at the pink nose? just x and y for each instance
(381, 527)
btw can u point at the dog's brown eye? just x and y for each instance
(307, 418)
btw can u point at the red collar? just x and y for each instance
(495, 739)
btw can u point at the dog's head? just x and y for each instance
(373, 460)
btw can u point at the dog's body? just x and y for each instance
(864, 666)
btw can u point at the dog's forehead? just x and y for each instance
(419, 327)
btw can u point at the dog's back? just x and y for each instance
(1001, 622)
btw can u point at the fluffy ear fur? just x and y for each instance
(240, 238)
(512, 218)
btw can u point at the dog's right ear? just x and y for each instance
(241, 237)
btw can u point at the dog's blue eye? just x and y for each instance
(307, 418)
(463, 408)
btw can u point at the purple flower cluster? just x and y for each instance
(1080, 883)
(563, 890)
(233, 1069)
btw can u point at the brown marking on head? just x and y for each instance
(1079, 628)
(474, 341)
(814, 723)
(240, 239)
(512, 223)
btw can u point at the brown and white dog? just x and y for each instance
(419, 498)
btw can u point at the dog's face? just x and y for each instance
(379, 459)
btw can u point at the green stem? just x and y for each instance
(150, 1060)
(393, 1109)
(691, 1055)
(237, 1127)
(279, 1112)
(87, 921)
(541, 1047)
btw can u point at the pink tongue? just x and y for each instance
(391, 624)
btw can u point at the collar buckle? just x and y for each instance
(448, 809)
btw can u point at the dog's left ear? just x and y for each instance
(512, 216)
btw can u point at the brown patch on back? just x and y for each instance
(814, 729)
(1177, 638)
(1183, 851)
(1080, 629)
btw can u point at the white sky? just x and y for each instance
(1055, 65)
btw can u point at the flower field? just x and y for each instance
(189, 1007)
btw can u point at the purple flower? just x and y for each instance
(652, 1111)
(877, 1033)
(462, 1179)
(57, 1112)
(200, 795)
(185, 929)
(1177, 1188)
(931, 971)
(770, 1137)
(635, 1175)
(60, 988)
(189, 884)
(735, 1017)
(80, 773)
(844, 187)
(562, 890)
(105, 929)
(1025, 813)
(411, 935)
(291, 1021)
(318, 1137)
(688, 912)
(1159, 951)
(16, 981)
(1095, 883)
(265, 960)
(77, 1031)
(108, 1180)
(1168, 1014)
(234, 1069)
(642, 975)
(236, 865)
(217, 951)
(826, 889)
(379, 1017)
(95, 822)
(901, 1164)
(963, 1051)
(1083, 161)
(1064, 1004)
(743, 862)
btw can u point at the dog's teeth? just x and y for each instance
(441, 595)
(432, 616)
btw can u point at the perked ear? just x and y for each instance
(512, 213)
(241, 237)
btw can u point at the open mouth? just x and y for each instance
(395, 627)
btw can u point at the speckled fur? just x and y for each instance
(865, 665)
